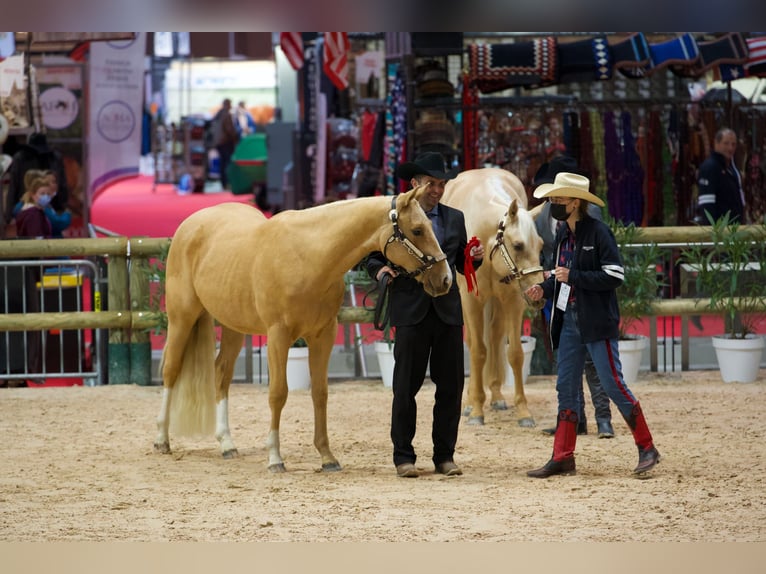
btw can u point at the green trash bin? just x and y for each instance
(248, 164)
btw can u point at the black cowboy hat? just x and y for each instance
(550, 169)
(429, 163)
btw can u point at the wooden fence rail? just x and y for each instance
(129, 319)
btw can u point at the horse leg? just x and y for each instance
(179, 330)
(474, 327)
(231, 344)
(496, 357)
(277, 348)
(516, 359)
(320, 349)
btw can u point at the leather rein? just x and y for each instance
(514, 272)
(426, 261)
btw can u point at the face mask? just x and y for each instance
(44, 200)
(559, 211)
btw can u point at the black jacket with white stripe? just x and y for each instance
(595, 273)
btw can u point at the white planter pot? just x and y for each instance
(739, 359)
(528, 345)
(631, 351)
(385, 354)
(298, 376)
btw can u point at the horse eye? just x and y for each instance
(518, 247)
(417, 232)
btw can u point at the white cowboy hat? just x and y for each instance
(568, 185)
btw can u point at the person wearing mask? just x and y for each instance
(585, 318)
(719, 182)
(31, 221)
(429, 330)
(59, 221)
(546, 229)
(36, 154)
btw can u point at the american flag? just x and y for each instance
(335, 54)
(292, 46)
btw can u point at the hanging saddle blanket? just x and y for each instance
(681, 52)
(497, 67)
(631, 57)
(584, 60)
(754, 65)
(728, 49)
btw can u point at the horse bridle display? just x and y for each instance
(427, 261)
(515, 272)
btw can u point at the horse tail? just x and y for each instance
(192, 408)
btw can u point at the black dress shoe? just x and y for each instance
(407, 470)
(647, 459)
(553, 467)
(448, 468)
(605, 430)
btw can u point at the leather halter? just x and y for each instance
(426, 261)
(515, 273)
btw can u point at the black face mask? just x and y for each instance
(559, 211)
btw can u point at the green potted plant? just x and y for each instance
(639, 289)
(731, 274)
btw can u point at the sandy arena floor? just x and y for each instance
(78, 465)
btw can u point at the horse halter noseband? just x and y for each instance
(515, 272)
(426, 261)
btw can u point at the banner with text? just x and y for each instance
(116, 92)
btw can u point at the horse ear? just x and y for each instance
(513, 209)
(414, 193)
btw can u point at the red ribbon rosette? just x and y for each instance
(468, 269)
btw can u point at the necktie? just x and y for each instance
(434, 217)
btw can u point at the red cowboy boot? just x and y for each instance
(562, 461)
(648, 455)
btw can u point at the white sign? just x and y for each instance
(59, 108)
(12, 74)
(116, 91)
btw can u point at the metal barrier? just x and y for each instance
(127, 316)
(36, 286)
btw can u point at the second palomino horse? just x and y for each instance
(282, 277)
(494, 203)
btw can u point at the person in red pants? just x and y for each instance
(585, 320)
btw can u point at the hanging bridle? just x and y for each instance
(515, 272)
(426, 261)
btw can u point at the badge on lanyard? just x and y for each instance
(563, 298)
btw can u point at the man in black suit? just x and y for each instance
(428, 327)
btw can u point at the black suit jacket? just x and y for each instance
(408, 301)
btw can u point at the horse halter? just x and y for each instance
(515, 272)
(426, 261)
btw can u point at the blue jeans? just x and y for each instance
(571, 361)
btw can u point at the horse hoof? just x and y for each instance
(277, 468)
(499, 405)
(331, 467)
(162, 448)
(527, 422)
(477, 421)
(467, 410)
(232, 453)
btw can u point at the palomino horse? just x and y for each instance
(494, 203)
(282, 277)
